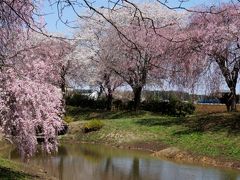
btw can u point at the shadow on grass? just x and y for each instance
(6, 173)
(161, 121)
(126, 114)
(228, 122)
(212, 122)
(88, 114)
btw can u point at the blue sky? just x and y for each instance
(53, 25)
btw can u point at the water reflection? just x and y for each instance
(90, 162)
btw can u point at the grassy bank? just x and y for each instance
(214, 135)
(11, 170)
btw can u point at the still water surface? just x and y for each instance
(96, 162)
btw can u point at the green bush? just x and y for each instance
(189, 108)
(68, 119)
(180, 108)
(130, 105)
(83, 101)
(173, 107)
(155, 106)
(117, 104)
(92, 125)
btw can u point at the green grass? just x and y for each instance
(214, 135)
(11, 170)
(17, 170)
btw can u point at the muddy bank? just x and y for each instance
(163, 151)
(176, 154)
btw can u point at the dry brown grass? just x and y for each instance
(212, 108)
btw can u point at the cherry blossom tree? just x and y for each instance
(140, 50)
(17, 14)
(216, 39)
(31, 96)
(186, 67)
(105, 76)
(90, 61)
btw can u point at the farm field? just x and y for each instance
(211, 108)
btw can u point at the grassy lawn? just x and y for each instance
(214, 134)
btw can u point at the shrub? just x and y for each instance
(68, 119)
(92, 125)
(189, 108)
(76, 99)
(83, 101)
(155, 106)
(117, 104)
(174, 107)
(130, 105)
(179, 108)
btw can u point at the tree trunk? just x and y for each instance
(232, 101)
(63, 87)
(231, 77)
(109, 101)
(137, 97)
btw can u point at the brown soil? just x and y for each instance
(183, 156)
(171, 153)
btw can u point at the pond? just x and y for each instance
(97, 162)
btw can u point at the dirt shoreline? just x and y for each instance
(178, 155)
(162, 151)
